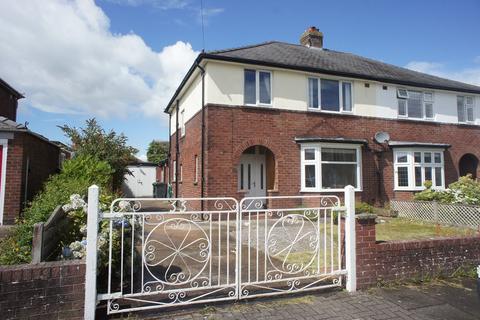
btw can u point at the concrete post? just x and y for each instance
(91, 258)
(350, 240)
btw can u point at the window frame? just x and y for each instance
(195, 168)
(411, 165)
(182, 123)
(465, 109)
(174, 171)
(340, 95)
(425, 101)
(257, 87)
(318, 165)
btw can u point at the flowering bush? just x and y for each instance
(464, 191)
(76, 176)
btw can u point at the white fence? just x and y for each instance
(432, 211)
(183, 251)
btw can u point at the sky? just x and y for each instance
(121, 60)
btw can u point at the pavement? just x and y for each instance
(437, 300)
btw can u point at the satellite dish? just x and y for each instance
(381, 137)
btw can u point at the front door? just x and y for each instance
(252, 175)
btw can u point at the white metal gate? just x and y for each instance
(164, 252)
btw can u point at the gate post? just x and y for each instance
(350, 240)
(91, 255)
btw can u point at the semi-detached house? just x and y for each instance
(285, 119)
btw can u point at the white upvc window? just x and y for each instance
(415, 104)
(330, 167)
(195, 173)
(465, 109)
(182, 122)
(174, 169)
(330, 95)
(412, 167)
(257, 89)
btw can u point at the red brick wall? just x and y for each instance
(230, 130)
(8, 104)
(403, 260)
(46, 290)
(190, 145)
(43, 161)
(13, 181)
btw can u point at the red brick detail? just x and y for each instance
(53, 290)
(231, 129)
(43, 160)
(393, 261)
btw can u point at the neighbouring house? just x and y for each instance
(285, 119)
(138, 182)
(27, 159)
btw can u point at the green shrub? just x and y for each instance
(466, 190)
(75, 178)
(363, 207)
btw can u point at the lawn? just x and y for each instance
(404, 229)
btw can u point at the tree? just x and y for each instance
(105, 146)
(157, 151)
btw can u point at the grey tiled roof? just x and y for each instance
(7, 125)
(334, 62)
(10, 125)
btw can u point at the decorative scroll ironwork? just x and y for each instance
(178, 251)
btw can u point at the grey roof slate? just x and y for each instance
(335, 62)
(10, 125)
(7, 125)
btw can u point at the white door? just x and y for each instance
(252, 175)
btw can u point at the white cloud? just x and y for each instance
(160, 4)
(468, 75)
(208, 13)
(65, 59)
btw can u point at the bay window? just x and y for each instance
(330, 167)
(257, 87)
(329, 95)
(415, 104)
(415, 166)
(465, 109)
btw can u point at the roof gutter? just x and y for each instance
(196, 63)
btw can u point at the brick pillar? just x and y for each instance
(366, 250)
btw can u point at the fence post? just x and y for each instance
(91, 259)
(350, 240)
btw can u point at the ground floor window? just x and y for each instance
(415, 166)
(330, 167)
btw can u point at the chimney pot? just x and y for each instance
(312, 37)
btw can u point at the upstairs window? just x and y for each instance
(415, 104)
(329, 95)
(257, 87)
(465, 109)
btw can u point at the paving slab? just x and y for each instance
(439, 300)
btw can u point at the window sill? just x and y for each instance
(327, 190)
(329, 111)
(415, 119)
(258, 105)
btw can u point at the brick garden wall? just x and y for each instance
(50, 290)
(405, 260)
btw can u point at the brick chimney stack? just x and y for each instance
(312, 37)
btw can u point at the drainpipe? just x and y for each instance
(177, 149)
(202, 165)
(169, 156)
